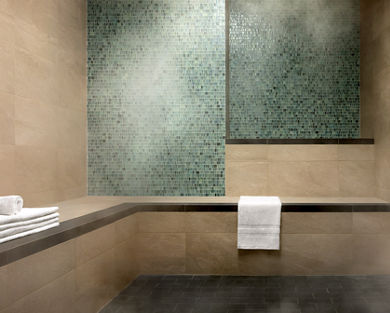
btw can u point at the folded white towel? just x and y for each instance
(20, 229)
(259, 223)
(29, 232)
(27, 214)
(11, 205)
(28, 222)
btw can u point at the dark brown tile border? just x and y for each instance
(17, 249)
(357, 141)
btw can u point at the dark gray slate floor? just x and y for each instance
(237, 294)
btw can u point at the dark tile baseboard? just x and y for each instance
(17, 249)
(346, 141)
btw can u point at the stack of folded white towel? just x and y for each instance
(16, 221)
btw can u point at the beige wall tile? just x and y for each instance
(316, 223)
(155, 222)
(371, 223)
(33, 272)
(161, 253)
(72, 171)
(383, 193)
(216, 222)
(302, 152)
(7, 110)
(211, 253)
(383, 167)
(7, 69)
(316, 254)
(55, 297)
(40, 198)
(126, 229)
(311, 179)
(96, 282)
(356, 152)
(35, 169)
(125, 263)
(34, 78)
(357, 178)
(246, 178)
(240, 153)
(260, 262)
(3, 287)
(94, 243)
(371, 254)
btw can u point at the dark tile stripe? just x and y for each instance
(16, 249)
(357, 141)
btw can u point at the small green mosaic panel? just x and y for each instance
(294, 69)
(156, 97)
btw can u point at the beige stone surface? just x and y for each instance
(43, 98)
(246, 178)
(96, 282)
(316, 223)
(156, 222)
(211, 253)
(211, 222)
(33, 272)
(55, 297)
(161, 253)
(3, 287)
(94, 243)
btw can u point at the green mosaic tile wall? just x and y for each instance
(156, 97)
(294, 68)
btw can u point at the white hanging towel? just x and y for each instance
(259, 223)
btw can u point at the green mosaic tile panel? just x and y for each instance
(156, 97)
(294, 69)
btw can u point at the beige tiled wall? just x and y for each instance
(83, 274)
(43, 99)
(300, 170)
(80, 275)
(375, 85)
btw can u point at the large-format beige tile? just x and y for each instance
(357, 178)
(72, 129)
(371, 254)
(383, 193)
(310, 179)
(316, 223)
(33, 272)
(246, 178)
(34, 78)
(7, 170)
(32, 40)
(383, 167)
(260, 262)
(371, 223)
(39, 198)
(125, 263)
(241, 153)
(156, 222)
(161, 253)
(96, 282)
(302, 152)
(215, 222)
(55, 297)
(211, 253)
(94, 243)
(356, 152)
(7, 110)
(35, 169)
(126, 229)
(42, 14)
(7, 69)
(3, 287)
(316, 254)
(72, 169)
